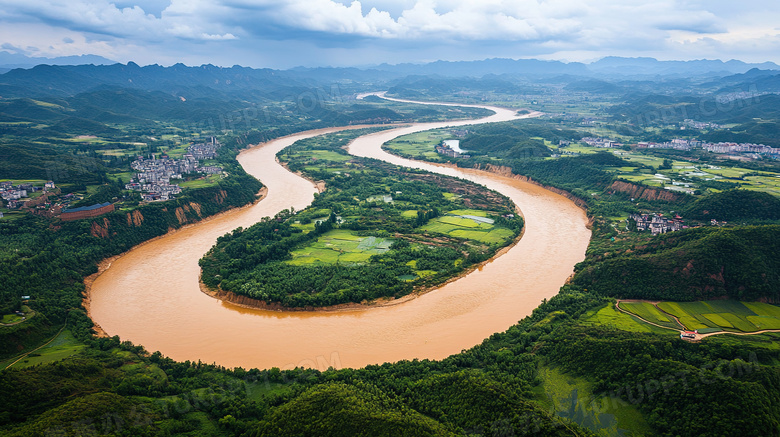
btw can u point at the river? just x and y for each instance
(151, 296)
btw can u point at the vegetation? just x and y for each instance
(575, 366)
(377, 231)
(693, 264)
(735, 205)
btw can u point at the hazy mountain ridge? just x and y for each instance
(181, 80)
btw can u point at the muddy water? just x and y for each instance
(151, 294)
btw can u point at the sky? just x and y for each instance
(285, 34)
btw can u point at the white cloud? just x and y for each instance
(510, 28)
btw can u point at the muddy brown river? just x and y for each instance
(151, 296)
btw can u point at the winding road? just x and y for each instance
(151, 296)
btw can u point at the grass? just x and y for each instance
(420, 145)
(650, 313)
(461, 227)
(611, 317)
(726, 315)
(36, 182)
(63, 346)
(340, 246)
(684, 171)
(573, 398)
(207, 181)
(10, 318)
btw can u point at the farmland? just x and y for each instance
(468, 225)
(709, 316)
(651, 313)
(609, 316)
(376, 231)
(419, 145)
(340, 246)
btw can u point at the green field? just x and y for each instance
(685, 172)
(206, 181)
(8, 319)
(420, 145)
(455, 224)
(611, 317)
(573, 398)
(726, 315)
(63, 346)
(340, 246)
(650, 313)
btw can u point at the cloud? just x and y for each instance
(411, 29)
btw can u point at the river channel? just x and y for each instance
(151, 295)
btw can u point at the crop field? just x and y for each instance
(419, 144)
(340, 246)
(468, 224)
(206, 181)
(650, 313)
(611, 317)
(63, 346)
(684, 171)
(727, 315)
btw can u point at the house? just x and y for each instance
(656, 223)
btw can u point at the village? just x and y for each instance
(754, 151)
(152, 178)
(655, 223)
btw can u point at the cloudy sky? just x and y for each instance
(283, 34)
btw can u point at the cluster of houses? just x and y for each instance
(687, 145)
(656, 223)
(451, 148)
(600, 142)
(204, 151)
(18, 196)
(700, 124)
(153, 176)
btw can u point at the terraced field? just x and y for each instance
(726, 315)
(649, 312)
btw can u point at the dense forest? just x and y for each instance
(368, 201)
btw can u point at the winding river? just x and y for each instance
(151, 296)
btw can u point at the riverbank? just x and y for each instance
(251, 303)
(103, 265)
(152, 295)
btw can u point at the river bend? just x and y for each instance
(151, 296)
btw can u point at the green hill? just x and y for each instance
(735, 205)
(341, 409)
(697, 264)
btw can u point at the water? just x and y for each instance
(151, 294)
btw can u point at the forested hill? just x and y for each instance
(696, 264)
(735, 205)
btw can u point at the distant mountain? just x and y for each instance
(12, 60)
(496, 66)
(613, 65)
(608, 75)
(178, 80)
